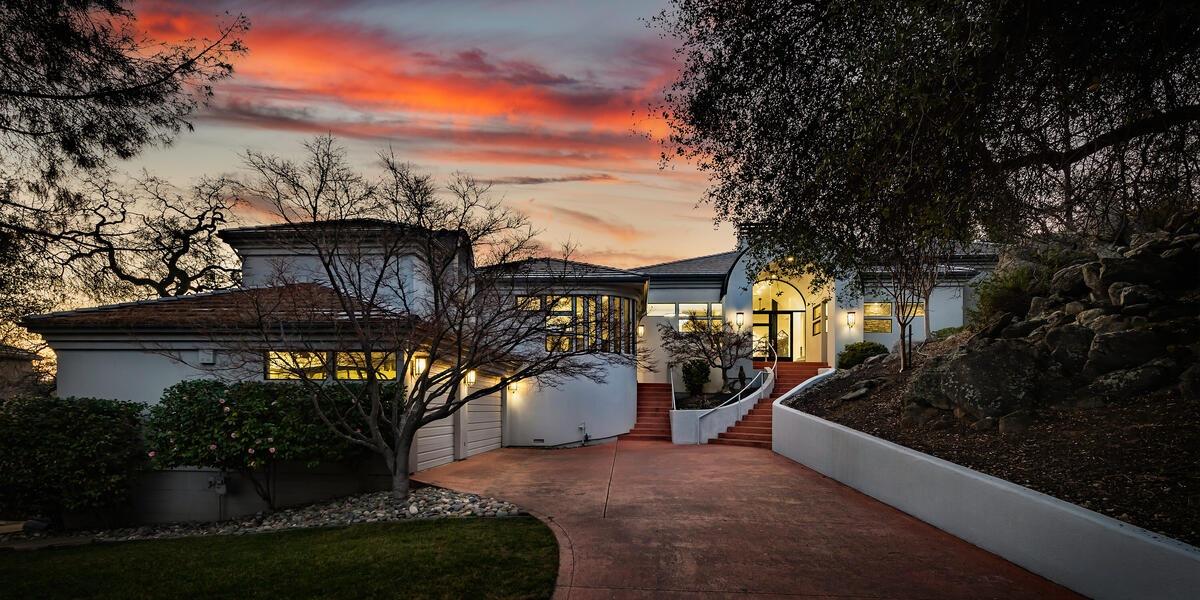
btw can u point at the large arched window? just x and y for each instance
(778, 318)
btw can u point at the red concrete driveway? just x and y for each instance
(655, 520)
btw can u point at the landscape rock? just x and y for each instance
(1110, 323)
(984, 424)
(1089, 315)
(1123, 349)
(1021, 329)
(1137, 294)
(1069, 345)
(915, 415)
(1125, 383)
(1075, 307)
(855, 394)
(1069, 281)
(986, 382)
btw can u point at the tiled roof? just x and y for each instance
(557, 267)
(363, 225)
(301, 302)
(713, 264)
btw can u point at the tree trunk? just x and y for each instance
(928, 327)
(904, 358)
(399, 466)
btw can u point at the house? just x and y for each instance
(17, 373)
(134, 350)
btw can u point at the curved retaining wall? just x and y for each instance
(687, 428)
(1088, 552)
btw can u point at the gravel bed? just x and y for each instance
(378, 507)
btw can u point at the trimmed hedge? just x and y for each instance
(854, 354)
(695, 375)
(60, 455)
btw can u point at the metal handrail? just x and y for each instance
(671, 380)
(738, 396)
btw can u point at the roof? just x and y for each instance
(14, 353)
(233, 235)
(713, 264)
(568, 269)
(300, 302)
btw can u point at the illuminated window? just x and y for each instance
(529, 303)
(877, 325)
(296, 365)
(660, 310)
(353, 365)
(877, 309)
(917, 310)
(688, 310)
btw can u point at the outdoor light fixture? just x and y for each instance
(641, 330)
(470, 379)
(419, 364)
(850, 319)
(512, 387)
(739, 318)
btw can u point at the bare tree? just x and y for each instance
(720, 345)
(401, 302)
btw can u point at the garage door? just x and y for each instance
(435, 443)
(484, 424)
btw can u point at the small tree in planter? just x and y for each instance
(247, 428)
(695, 376)
(718, 346)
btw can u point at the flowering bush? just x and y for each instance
(62, 455)
(244, 427)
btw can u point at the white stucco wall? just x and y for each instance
(122, 374)
(658, 358)
(945, 310)
(553, 415)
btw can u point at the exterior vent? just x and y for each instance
(539, 440)
(206, 357)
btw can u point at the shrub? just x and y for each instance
(853, 354)
(245, 427)
(695, 376)
(60, 455)
(1009, 291)
(945, 332)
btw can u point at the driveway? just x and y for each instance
(654, 520)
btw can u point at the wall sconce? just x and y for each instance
(470, 378)
(740, 319)
(512, 387)
(419, 364)
(850, 316)
(641, 330)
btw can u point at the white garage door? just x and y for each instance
(484, 424)
(435, 443)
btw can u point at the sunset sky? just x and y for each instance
(546, 98)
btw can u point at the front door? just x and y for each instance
(774, 328)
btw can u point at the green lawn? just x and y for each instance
(469, 558)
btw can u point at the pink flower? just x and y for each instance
(152, 453)
(212, 446)
(250, 450)
(271, 450)
(221, 401)
(226, 409)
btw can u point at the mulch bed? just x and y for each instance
(1138, 461)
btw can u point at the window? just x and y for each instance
(818, 317)
(698, 310)
(877, 309)
(560, 324)
(692, 315)
(296, 365)
(529, 303)
(353, 365)
(917, 310)
(877, 325)
(660, 310)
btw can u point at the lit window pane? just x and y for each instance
(877, 325)
(686, 310)
(660, 310)
(917, 310)
(716, 310)
(296, 365)
(877, 309)
(529, 303)
(353, 365)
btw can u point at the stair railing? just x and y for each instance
(671, 380)
(769, 371)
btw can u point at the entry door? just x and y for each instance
(774, 328)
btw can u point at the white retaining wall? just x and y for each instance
(688, 428)
(1088, 552)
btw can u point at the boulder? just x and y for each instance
(1123, 349)
(915, 415)
(1110, 323)
(993, 380)
(1126, 383)
(1038, 306)
(1114, 291)
(1075, 307)
(1069, 281)
(1091, 278)
(984, 424)
(1089, 315)
(925, 385)
(993, 329)
(1021, 329)
(1137, 294)
(1069, 345)
(1138, 310)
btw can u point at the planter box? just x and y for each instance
(1083, 550)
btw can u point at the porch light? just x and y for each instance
(740, 319)
(850, 320)
(470, 378)
(512, 387)
(419, 364)
(641, 330)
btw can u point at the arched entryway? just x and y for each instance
(778, 318)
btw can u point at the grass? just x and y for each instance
(452, 558)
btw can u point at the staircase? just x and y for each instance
(653, 413)
(754, 429)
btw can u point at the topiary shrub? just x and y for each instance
(61, 455)
(695, 375)
(246, 428)
(1009, 291)
(854, 354)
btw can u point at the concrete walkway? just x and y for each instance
(653, 520)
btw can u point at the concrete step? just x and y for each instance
(735, 435)
(746, 443)
(642, 436)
